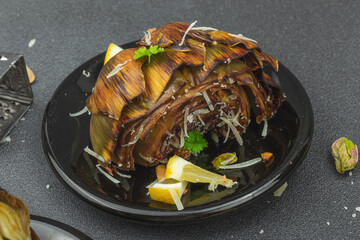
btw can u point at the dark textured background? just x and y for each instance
(317, 40)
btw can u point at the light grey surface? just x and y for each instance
(317, 40)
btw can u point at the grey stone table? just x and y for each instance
(317, 40)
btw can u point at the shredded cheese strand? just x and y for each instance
(182, 139)
(208, 101)
(147, 38)
(229, 160)
(94, 154)
(243, 37)
(227, 135)
(136, 137)
(186, 32)
(123, 175)
(234, 130)
(204, 28)
(114, 180)
(185, 121)
(265, 129)
(200, 119)
(176, 199)
(81, 112)
(117, 69)
(243, 164)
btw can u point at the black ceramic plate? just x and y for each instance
(47, 229)
(64, 138)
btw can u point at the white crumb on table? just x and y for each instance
(328, 223)
(261, 231)
(357, 209)
(22, 141)
(22, 119)
(354, 215)
(345, 207)
(352, 182)
(48, 186)
(32, 42)
(350, 173)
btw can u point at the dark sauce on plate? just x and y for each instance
(282, 130)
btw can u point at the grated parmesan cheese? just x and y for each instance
(208, 101)
(200, 119)
(243, 164)
(204, 28)
(32, 43)
(212, 185)
(81, 112)
(86, 74)
(232, 97)
(136, 137)
(185, 121)
(114, 180)
(182, 139)
(265, 129)
(176, 199)
(234, 130)
(123, 175)
(117, 69)
(227, 134)
(147, 38)
(242, 37)
(94, 154)
(186, 32)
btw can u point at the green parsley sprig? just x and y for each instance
(195, 143)
(141, 52)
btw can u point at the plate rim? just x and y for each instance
(71, 230)
(170, 216)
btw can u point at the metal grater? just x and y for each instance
(15, 91)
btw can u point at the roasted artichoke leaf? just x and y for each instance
(219, 54)
(112, 93)
(158, 73)
(263, 57)
(224, 38)
(103, 135)
(14, 217)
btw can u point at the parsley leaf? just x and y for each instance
(147, 52)
(195, 143)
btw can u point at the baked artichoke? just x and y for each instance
(14, 218)
(205, 80)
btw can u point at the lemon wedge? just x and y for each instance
(182, 170)
(163, 191)
(112, 50)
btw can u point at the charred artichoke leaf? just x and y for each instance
(14, 217)
(219, 54)
(257, 96)
(263, 57)
(159, 71)
(231, 69)
(224, 38)
(103, 135)
(114, 89)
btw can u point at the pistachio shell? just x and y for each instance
(345, 154)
